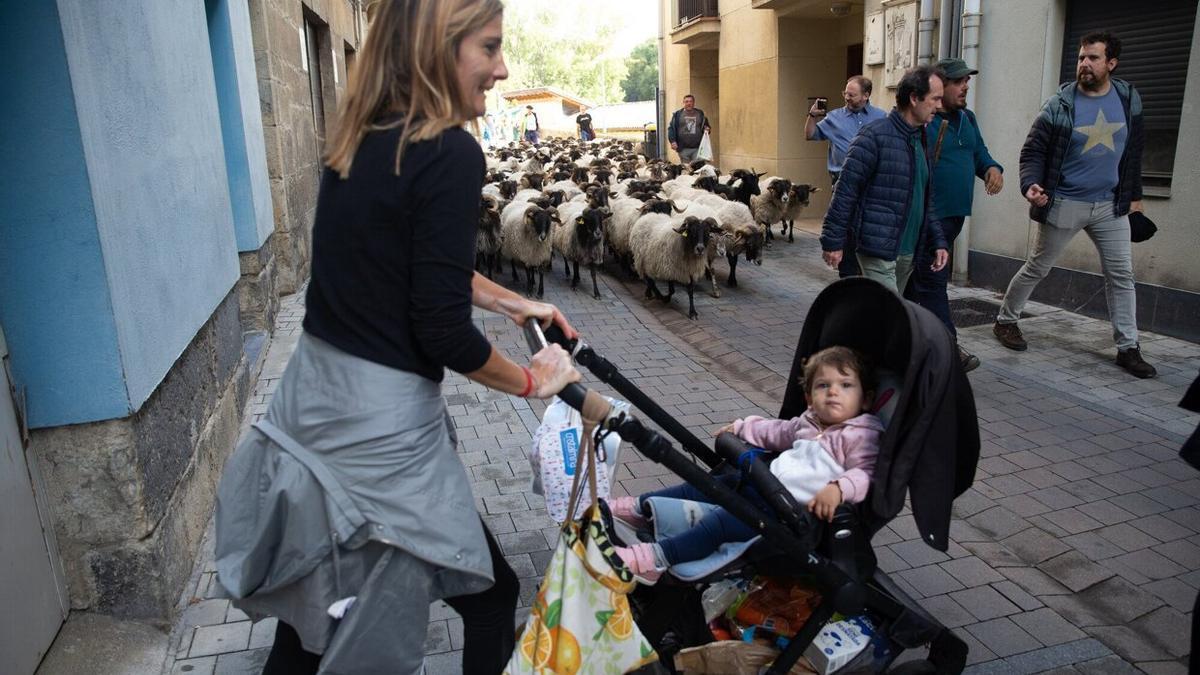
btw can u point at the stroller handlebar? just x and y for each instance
(574, 393)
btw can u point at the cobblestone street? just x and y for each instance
(1077, 550)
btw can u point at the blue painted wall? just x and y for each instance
(149, 121)
(54, 300)
(241, 121)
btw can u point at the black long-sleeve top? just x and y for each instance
(393, 256)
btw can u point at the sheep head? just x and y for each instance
(780, 188)
(802, 192)
(540, 220)
(508, 188)
(589, 226)
(696, 233)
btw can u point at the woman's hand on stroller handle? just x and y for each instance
(552, 371)
(546, 314)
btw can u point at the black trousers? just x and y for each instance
(489, 627)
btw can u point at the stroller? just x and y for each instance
(928, 452)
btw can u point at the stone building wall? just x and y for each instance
(293, 142)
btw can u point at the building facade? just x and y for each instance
(159, 189)
(754, 64)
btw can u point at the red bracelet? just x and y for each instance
(528, 383)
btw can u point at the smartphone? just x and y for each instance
(822, 102)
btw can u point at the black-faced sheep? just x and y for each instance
(798, 198)
(580, 239)
(672, 250)
(525, 233)
(769, 206)
(487, 238)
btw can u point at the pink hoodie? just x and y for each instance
(854, 444)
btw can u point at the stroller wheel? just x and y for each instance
(919, 667)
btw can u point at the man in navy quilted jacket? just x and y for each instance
(884, 193)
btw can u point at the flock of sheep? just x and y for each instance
(592, 201)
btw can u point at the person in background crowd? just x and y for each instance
(530, 126)
(1081, 169)
(686, 129)
(839, 126)
(346, 511)
(584, 122)
(959, 155)
(883, 194)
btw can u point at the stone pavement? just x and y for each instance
(1077, 550)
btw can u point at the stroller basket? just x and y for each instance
(838, 556)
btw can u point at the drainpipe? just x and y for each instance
(945, 29)
(925, 28)
(971, 18)
(660, 94)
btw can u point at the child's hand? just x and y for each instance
(826, 502)
(727, 427)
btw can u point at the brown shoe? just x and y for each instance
(1010, 336)
(1132, 361)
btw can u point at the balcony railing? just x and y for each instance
(695, 9)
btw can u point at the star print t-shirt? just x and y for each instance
(1091, 169)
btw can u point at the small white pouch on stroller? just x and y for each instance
(553, 455)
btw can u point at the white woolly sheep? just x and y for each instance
(798, 198)
(768, 206)
(672, 249)
(525, 238)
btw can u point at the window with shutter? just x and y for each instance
(1156, 39)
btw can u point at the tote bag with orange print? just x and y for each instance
(581, 621)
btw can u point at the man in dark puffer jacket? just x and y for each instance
(884, 192)
(1081, 169)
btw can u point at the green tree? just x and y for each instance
(546, 45)
(641, 72)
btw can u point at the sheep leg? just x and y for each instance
(513, 262)
(670, 291)
(541, 282)
(595, 287)
(528, 280)
(651, 290)
(712, 276)
(691, 289)
(791, 229)
(732, 280)
(567, 267)
(575, 277)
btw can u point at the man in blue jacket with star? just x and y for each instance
(1081, 169)
(884, 193)
(959, 156)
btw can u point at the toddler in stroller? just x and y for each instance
(825, 457)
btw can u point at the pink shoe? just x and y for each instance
(628, 510)
(639, 558)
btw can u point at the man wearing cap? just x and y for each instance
(839, 126)
(1081, 169)
(959, 155)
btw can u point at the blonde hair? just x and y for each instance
(408, 67)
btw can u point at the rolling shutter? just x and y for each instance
(1156, 40)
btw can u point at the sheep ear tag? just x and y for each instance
(683, 234)
(579, 220)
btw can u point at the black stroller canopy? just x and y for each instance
(931, 445)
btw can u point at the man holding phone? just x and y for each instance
(839, 127)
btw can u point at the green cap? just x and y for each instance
(955, 68)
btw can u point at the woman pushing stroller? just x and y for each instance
(826, 457)
(346, 511)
